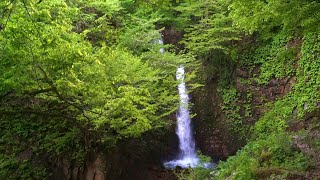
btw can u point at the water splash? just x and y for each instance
(187, 154)
(160, 41)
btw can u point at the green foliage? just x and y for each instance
(23, 169)
(303, 97)
(306, 90)
(284, 43)
(210, 26)
(231, 109)
(140, 34)
(276, 57)
(77, 76)
(199, 172)
(270, 149)
(108, 7)
(25, 139)
(194, 173)
(266, 16)
(105, 86)
(272, 152)
(231, 104)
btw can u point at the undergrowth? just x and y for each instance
(270, 147)
(269, 152)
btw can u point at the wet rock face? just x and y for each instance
(172, 36)
(260, 94)
(211, 132)
(308, 143)
(132, 159)
(212, 135)
(94, 169)
(276, 88)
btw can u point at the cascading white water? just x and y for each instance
(160, 41)
(187, 155)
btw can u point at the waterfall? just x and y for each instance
(160, 41)
(187, 154)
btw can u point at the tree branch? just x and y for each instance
(33, 93)
(40, 113)
(55, 90)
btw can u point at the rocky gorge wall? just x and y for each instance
(132, 160)
(213, 133)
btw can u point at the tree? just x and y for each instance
(77, 91)
(210, 27)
